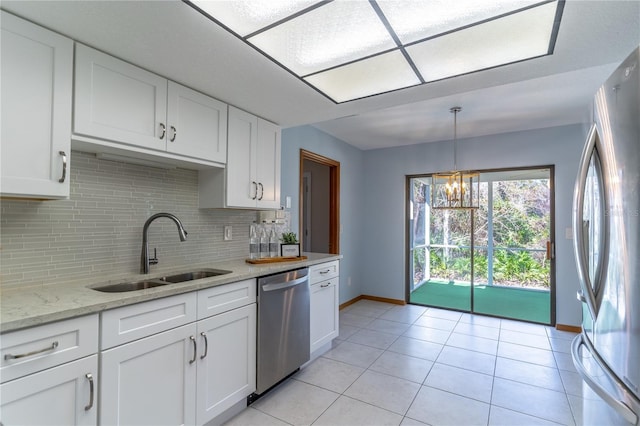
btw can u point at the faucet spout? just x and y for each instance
(144, 258)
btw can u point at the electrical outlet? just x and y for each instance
(227, 233)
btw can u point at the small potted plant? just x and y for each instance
(290, 246)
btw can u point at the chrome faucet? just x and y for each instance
(144, 259)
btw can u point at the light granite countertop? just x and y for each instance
(21, 308)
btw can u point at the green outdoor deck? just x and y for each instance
(509, 302)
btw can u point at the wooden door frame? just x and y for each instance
(334, 197)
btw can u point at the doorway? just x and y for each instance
(495, 260)
(319, 203)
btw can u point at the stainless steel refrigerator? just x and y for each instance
(606, 225)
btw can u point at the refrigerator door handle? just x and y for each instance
(578, 223)
(620, 407)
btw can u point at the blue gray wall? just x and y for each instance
(373, 199)
(352, 196)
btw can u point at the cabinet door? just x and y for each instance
(241, 183)
(324, 313)
(227, 370)
(117, 101)
(58, 396)
(268, 165)
(197, 124)
(150, 381)
(36, 72)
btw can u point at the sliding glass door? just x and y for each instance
(439, 250)
(495, 260)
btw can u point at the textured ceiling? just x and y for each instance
(173, 40)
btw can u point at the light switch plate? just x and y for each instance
(227, 233)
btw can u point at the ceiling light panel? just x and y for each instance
(414, 20)
(328, 36)
(509, 39)
(378, 74)
(248, 16)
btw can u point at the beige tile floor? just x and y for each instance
(411, 365)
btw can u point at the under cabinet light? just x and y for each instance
(134, 160)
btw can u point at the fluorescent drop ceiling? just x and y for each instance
(354, 49)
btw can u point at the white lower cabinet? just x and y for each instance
(324, 305)
(324, 313)
(227, 367)
(49, 374)
(63, 395)
(188, 373)
(150, 381)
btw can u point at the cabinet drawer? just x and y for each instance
(134, 322)
(324, 271)
(215, 300)
(34, 349)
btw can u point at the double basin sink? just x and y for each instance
(157, 282)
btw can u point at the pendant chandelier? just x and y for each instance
(455, 189)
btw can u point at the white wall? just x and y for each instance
(382, 258)
(352, 194)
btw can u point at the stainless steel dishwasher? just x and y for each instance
(283, 326)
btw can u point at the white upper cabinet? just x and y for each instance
(268, 165)
(242, 186)
(197, 124)
(252, 175)
(36, 79)
(119, 102)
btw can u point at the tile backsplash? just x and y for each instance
(97, 232)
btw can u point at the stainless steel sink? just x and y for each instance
(157, 282)
(130, 286)
(195, 275)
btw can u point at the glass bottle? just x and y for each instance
(273, 242)
(264, 243)
(254, 244)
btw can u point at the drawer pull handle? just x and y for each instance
(89, 377)
(174, 133)
(325, 272)
(206, 345)
(163, 128)
(64, 166)
(325, 285)
(195, 350)
(47, 349)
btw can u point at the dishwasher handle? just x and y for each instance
(284, 284)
